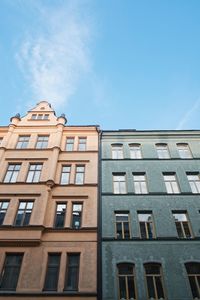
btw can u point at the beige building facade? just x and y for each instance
(48, 207)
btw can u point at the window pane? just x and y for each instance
(79, 178)
(143, 230)
(72, 274)
(152, 269)
(193, 268)
(131, 288)
(122, 287)
(119, 230)
(159, 287)
(194, 288)
(150, 286)
(51, 280)
(60, 215)
(11, 270)
(126, 230)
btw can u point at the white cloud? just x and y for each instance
(188, 115)
(54, 58)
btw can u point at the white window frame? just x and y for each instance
(140, 183)
(171, 183)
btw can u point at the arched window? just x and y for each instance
(162, 150)
(154, 280)
(135, 151)
(126, 281)
(117, 151)
(184, 150)
(193, 271)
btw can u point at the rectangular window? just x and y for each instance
(40, 116)
(154, 280)
(182, 225)
(34, 173)
(1, 139)
(60, 215)
(81, 144)
(23, 142)
(52, 272)
(3, 210)
(194, 182)
(79, 176)
(24, 213)
(193, 271)
(46, 117)
(162, 151)
(122, 225)
(76, 215)
(146, 224)
(65, 175)
(117, 151)
(119, 183)
(12, 173)
(10, 272)
(42, 141)
(184, 150)
(72, 272)
(140, 183)
(69, 144)
(171, 183)
(126, 282)
(34, 116)
(135, 151)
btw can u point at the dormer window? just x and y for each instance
(40, 116)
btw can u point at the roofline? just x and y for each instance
(149, 131)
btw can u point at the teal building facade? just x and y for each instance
(150, 215)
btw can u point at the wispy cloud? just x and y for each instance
(189, 114)
(54, 57)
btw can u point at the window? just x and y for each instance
(69, 144)
(12, 173)
(10, 272)
(52, 272)
(194, 182)
(82, 144)
(23, 142)
(42, 142)
(135, 151)
(162, 151)
(154, 281)
(24, 213)
(60, 215)
(79, 176)
(1, 139)
(46, 117)
(76, 215)
(147, 230)
(126, 281)
(34, 173)
(117, 151)
(122, 225)
(184, 151)
(171, 183)
(40, 116)
(140, 184)
(193, 271)
(3, 210)
(65, 175)
(34, 116)
(72, 272)
(119, 183)
(182, 225)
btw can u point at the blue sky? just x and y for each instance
(119, 64)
